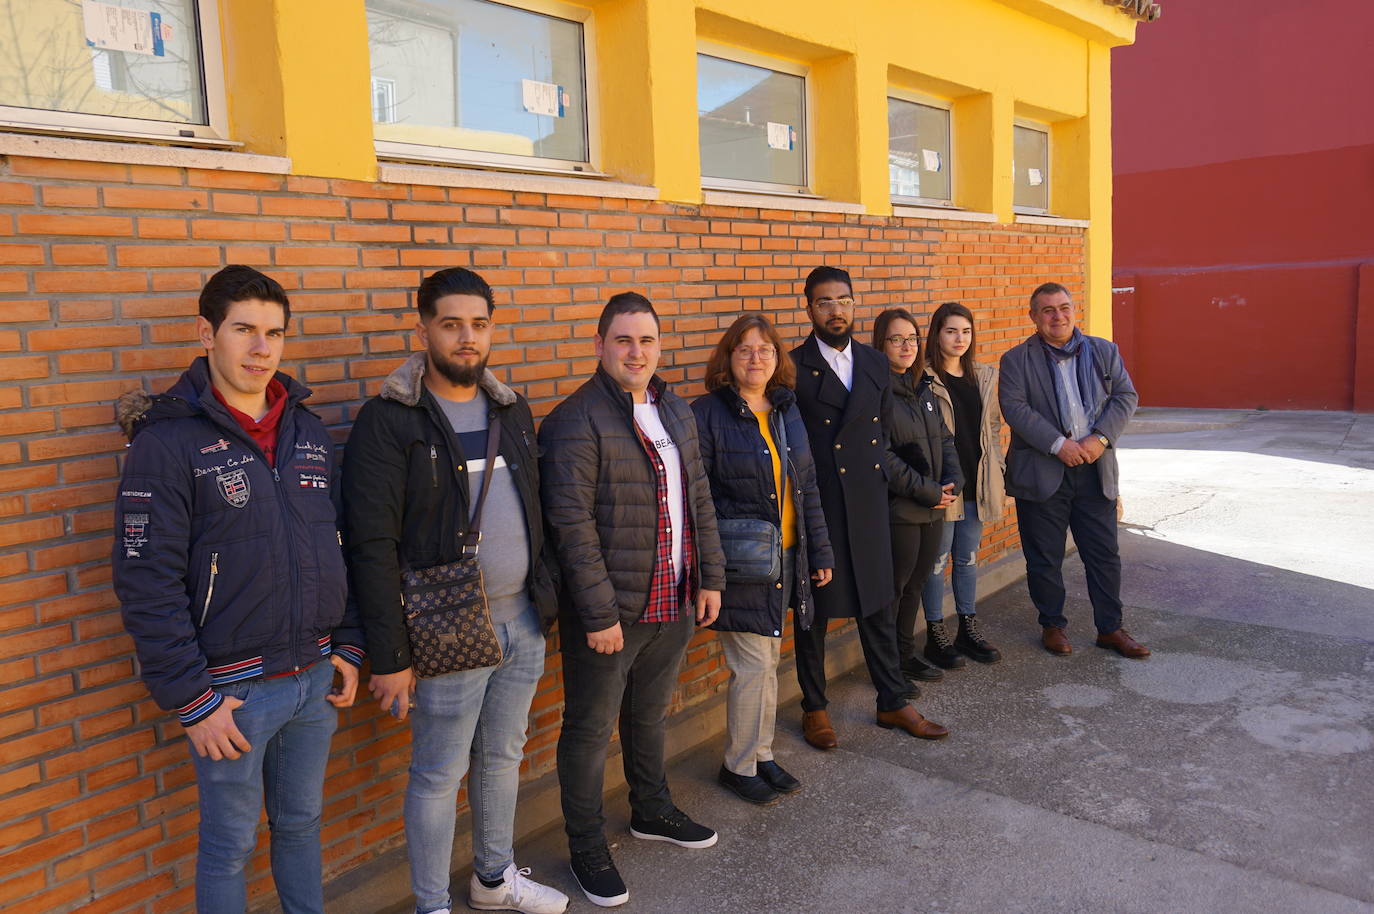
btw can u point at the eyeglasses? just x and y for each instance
(747, 353)
(828, 304)
(903, 340)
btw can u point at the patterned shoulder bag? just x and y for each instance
(446, 611)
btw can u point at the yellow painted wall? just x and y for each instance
(298, 86)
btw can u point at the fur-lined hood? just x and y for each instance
(406, 384)
(189, 396)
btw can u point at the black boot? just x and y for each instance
(938, 649)
(917, 669)
(970, 641)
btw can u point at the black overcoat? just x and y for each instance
(849, 444)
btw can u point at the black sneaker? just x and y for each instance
(777, 778)
(971, 641)
(939, 650)
(675, 828)
(917, 669)
(751, 788)
(598, 878)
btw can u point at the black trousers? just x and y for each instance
(1080, 506)
(915, 547)
(635, 685)
(877, 636)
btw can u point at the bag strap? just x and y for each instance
(473, 536)
(782, 454)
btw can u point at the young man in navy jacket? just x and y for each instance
(228, 565)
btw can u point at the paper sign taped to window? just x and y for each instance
(930, 158)
(114, 28)
(542, 98)
(1034, 176)
(780, 136)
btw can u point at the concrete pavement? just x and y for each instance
(1231, 771)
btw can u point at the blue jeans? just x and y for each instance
(479, 714)
(961, 540)
(289, 725)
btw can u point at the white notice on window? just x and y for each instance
(1034, 176)
(114, 28)
(542, 98)
(930, 158)
(779, 136)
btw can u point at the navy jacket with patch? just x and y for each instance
(226, 569)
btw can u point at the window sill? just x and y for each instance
(941, 213)
(1027, 219)
(40, 146)
(794, 202)
(584, 185)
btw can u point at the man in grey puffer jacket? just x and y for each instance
(631, 517)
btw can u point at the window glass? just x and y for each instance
(918, 162)
(124, 58)
(469, 74)
(1031, 165)
(752, 122)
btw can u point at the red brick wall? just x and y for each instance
(100, 265)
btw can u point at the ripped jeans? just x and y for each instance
(961, 540)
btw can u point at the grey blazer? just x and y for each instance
(1031, 409)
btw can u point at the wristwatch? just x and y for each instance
(1103, 438)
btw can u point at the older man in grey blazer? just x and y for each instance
(1067, 398)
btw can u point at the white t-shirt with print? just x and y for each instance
(649, 422)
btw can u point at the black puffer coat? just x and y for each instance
(740, 469)
(599, 490)
(921, 454)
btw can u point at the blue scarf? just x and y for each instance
(1090, 387)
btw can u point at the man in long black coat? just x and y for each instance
(845, 397)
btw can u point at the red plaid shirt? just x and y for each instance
(666, 594)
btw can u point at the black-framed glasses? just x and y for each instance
(895, 340)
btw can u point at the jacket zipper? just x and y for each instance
(434, 466)
(210, 591)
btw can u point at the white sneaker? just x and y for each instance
(516, 893)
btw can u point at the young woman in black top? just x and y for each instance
(966, 391)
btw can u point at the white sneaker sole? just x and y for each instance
(482, 906)
(695, 845)
(604, 901)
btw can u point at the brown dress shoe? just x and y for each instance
(1056, 641)
(1122, 642)
(817, 730)
(909, 719)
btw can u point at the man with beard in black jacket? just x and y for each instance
(845, 398)
(630, 511)
(414, 463)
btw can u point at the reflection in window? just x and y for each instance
(481, 76)
(752, 123)
(124, 58)
(1031, 165)
(918, 162)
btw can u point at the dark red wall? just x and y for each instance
(1243, 144)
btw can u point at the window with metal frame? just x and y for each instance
(146, 69)
(1031, 167)
(919, 165)
(479, 82)
(752, 120)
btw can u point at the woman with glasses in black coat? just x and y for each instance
(748, 409)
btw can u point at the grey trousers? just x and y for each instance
(751, 698)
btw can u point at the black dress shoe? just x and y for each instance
(777, 778)
(912, 690)
(754, 789)
(917, 668)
